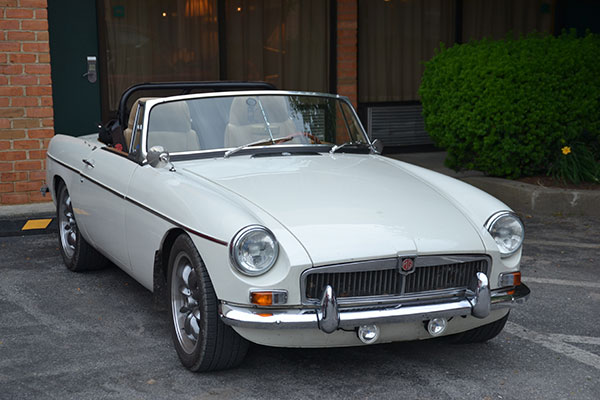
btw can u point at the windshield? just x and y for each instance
(236, 121)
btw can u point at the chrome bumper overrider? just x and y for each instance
(329, 317)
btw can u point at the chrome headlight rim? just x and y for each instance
(238, 239)
(494, 219)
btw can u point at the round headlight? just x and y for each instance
(507, 230)
(253, 250)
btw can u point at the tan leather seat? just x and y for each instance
(170, 126)
(246, 122)
(127, 133)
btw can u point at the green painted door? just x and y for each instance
(73, 38)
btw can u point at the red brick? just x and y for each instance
(6, 25)
(37, 69)
(3, 60)
(13, 155)
(4, 102)
(25, 101)
(28, 165)
(14, 198)
(25, 80)
(43, 58)
(26, 123)
(38, 112)
(12, 134)
(19, 13)
(11, 91)
(33, 3)
(28, 186)
(22, 58)
(3, 79)
(347, 25)
(48, 123)
(41, 25)
(4, 145)
(4, 123)
(26, 144)
(46, 100)
(7, 187)
(45, 79)
(7, 166)
(39, 91)
(40, 47)
(41, 36)
(11, 112)
(37, 154)
(8, 3)
(13, 176)
(41, 14)
(9, 47)
(40, 133)
(36, 175)
(38, 197)
(11, 69)
(19, 36)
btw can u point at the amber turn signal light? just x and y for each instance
(268, 297)
(509, 279)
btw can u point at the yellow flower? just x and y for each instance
(566, 150)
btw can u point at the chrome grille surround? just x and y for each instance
(376, 282)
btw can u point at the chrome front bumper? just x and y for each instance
(329, 317)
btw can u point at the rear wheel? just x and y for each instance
(203, 342)
(480, 334)
(77, 254)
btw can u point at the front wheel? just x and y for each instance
(77, 254)
(480, 334)
(202, 341)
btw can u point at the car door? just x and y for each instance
(101, 194)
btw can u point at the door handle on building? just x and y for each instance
(91, 73)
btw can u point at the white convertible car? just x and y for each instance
(269, 216)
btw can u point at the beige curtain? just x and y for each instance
(395, 37)
(157, 40)
(494, 19)
(284, 42)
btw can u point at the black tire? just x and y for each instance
(202, 341)
(480, 334)
(77, 254)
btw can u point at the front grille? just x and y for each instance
(388, 281)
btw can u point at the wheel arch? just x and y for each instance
(161, 267)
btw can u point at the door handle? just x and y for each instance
(89, 163)
(91, 73)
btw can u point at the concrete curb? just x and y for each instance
(27, 210)
(528, 198)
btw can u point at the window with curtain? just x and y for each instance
(283, 42)
(494, 19)
(395, 37)
(157, 40)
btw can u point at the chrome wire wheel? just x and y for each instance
(66, 224)
(185, 308)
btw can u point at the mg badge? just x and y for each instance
(407, 265)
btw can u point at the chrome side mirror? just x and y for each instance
(377, 146)
(158, 157)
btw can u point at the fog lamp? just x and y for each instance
(437, 326)
(368, 334)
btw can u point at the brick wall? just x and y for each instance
(347, 49)
(26, 124)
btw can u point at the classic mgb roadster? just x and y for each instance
(270, 217)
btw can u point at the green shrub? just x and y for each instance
(506, 107)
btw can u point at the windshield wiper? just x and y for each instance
(258, 143)
(351, 143)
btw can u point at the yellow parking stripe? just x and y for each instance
(36, 224)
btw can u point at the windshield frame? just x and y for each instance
(212, 153)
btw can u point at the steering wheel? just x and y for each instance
(313, 139)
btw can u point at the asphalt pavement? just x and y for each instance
(95, 335)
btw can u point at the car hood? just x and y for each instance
(347, 207)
